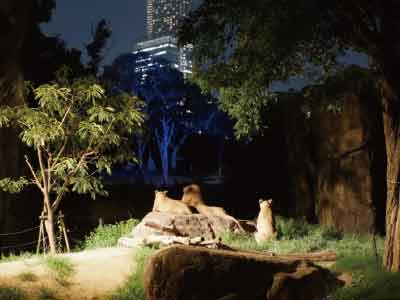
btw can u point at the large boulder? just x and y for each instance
(194, 225)
(335, 153)
(184, 272)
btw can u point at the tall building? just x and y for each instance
(161, 44)
(163, 50)
(163, 16)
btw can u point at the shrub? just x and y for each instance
(11, 293)
(46, 293)
(27, 276)
(108, 235)
(288, 229)
(61, 267)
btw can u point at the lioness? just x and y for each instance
(265, 222)
(162, 203)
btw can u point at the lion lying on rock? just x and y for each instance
(192, 197)
(162, 203)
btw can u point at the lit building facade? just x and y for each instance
(163, 16)
(161, 47)
(163, 51)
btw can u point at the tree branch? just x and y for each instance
(42, 168)
(57, 202)
(36, 181)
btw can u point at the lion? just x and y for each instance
(162, 203)
(265, 222)
(192, 197)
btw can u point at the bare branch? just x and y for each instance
(42, 168)
(61, 151)
(49, 162)
(36, 181)
(65, 116)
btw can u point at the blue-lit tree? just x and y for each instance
(175, 108)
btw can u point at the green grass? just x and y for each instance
(27, 276)
(370, 281)
(46, 293)
(11, 293)
(355, 252)
(298, 236)
(133, 288)
(61, 267)
(15, 257)
(108, 235)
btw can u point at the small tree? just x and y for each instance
(76, 132)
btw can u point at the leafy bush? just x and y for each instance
(134, 288)
(61, 267)
(46, 293)
(11, 293)
(28, 276)
(291, 228)
(108, 235)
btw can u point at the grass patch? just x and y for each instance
(355, 252)
(370, 281)
(298, 236)
(133, 288)
(15, 257)
(61, 267)
(11, 293)
(27, 276)
(46, 293)
(108, 235)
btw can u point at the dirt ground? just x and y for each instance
(97, 273)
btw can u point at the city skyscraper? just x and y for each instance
(163, 16)
(160, 44)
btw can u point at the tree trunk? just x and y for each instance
(14, 22)
(49, 225)
(165, 166)
(391, 114)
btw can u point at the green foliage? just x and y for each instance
(292, 228)
(27, 276)
(46, 293)
(13, 186)
(61, 267)
(134, 288)
(108, 235)
(11, 293)
(242, 48)
(370, 281)
(77, 131)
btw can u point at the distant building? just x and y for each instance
(160, 46)
(162, 51)
(163, 16)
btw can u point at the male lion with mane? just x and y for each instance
(192, 197)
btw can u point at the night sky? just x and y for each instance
(75, 19)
